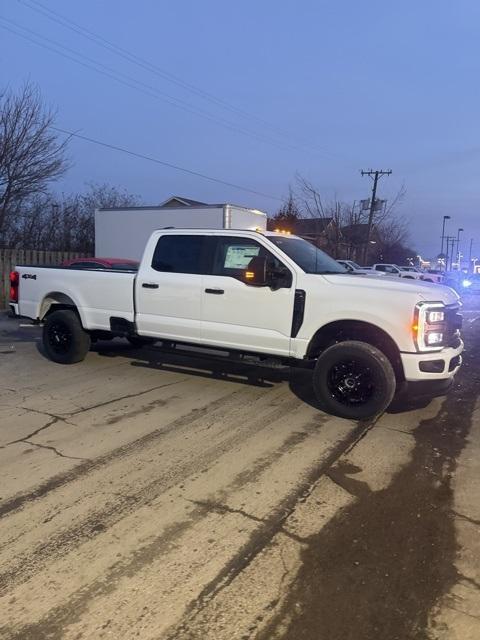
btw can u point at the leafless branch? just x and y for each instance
(31, 157)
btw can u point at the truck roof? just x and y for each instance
(281, 234)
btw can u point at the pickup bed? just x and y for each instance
(264, 294)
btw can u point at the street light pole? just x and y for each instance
(470, 256)
(445, 218)
(458, 248)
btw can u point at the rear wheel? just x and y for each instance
(64, 339)
(354, 380)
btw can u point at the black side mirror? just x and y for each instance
(256, 272)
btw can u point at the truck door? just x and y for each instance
(240, 316)
(169, 290)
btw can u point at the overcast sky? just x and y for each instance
(320, 88)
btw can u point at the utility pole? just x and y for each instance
(450, 241)
(375, 175)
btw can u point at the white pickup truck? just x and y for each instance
(262, 294)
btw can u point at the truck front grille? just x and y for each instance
(453, 320)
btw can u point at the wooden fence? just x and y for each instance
(9, 258)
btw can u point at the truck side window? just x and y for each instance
(179, 254)
(233, 255)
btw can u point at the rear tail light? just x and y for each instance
(14, 285)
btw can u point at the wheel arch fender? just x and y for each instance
(56, 300)
(344, 330)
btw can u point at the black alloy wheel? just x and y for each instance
(351, 382)
(59, 337)
(354, 380)
(64, 339)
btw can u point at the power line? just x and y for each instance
(132, 83)
(128, 55)
(163, 163)
(155, 69)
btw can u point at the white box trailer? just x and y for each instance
(123, 232)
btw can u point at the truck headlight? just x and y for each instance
(435, 316)
(433, 338)
(429, 326)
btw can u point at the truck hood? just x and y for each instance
(427, 291)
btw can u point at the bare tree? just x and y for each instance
(345, 224)
(335, 215)
(287, 215)
(393, 237)
(30, 155)
(310, 198)
(65, 223)
(96, 197)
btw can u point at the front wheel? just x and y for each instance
(64, 339)
(354, 380)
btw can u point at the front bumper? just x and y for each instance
(438, 365)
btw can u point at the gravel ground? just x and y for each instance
(146, 495)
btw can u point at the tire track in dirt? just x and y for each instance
(77, 604)
(381, 565)
(262, 537)
(68, 612)
(60, 543)
(60, 480)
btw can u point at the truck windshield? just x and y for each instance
(307, 256)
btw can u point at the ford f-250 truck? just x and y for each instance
(264, 294)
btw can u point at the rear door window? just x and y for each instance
(179, 254)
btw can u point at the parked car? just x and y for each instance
(117, 264)
(433, 275)
(409, 268)
(266, 295)
(394, 270)
(353, 267)
(424, 275)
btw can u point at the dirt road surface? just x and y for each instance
(156, 496)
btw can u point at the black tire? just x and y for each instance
(354, 380)
(64, 339)
(139, 341)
